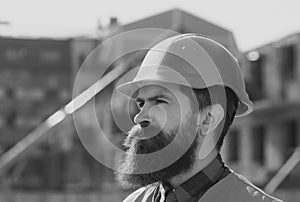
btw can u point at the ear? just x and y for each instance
(209, 121)
(210, 118)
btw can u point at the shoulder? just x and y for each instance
(236, 188)
(250, 191)
(142, 194)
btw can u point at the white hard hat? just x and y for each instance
(194, 61)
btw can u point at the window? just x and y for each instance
(17, 54)
(29, 94)
(292, 139)
(233, 143)
(50, 56)
(254, 85)
(288, 62)
(258, 137)
(2, 93)
(11, 118)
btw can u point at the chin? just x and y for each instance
(135, 169)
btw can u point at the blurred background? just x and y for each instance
(44, 44)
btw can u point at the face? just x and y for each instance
(162, 107)
(165, 130)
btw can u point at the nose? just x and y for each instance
(142, 118)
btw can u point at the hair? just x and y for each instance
(215, 95)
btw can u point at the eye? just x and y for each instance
(161, 101)
(140, 104)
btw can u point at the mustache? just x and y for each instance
(147, 140)
(133, 133)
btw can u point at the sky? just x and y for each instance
(253, 23)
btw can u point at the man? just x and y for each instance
(188, 90)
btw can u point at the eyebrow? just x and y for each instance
(151, 99)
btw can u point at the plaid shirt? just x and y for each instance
(214, 183)
(195, 187)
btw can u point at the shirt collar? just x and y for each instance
(197, 185)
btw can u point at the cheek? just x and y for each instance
(166, 118)
(159, 116)
(172, 120)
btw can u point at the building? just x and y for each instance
(35, 81)
(257, 145)
(261, 143)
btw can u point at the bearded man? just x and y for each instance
(188, 89)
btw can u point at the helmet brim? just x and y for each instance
(129, 89)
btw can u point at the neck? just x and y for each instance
(199, 165)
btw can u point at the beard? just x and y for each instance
(158, 158)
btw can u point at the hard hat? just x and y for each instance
(194, 61)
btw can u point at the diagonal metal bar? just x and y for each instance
(59, 116)
(283, 171)
(9, 157)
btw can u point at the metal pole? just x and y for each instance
(12, 154)
(283, 171)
